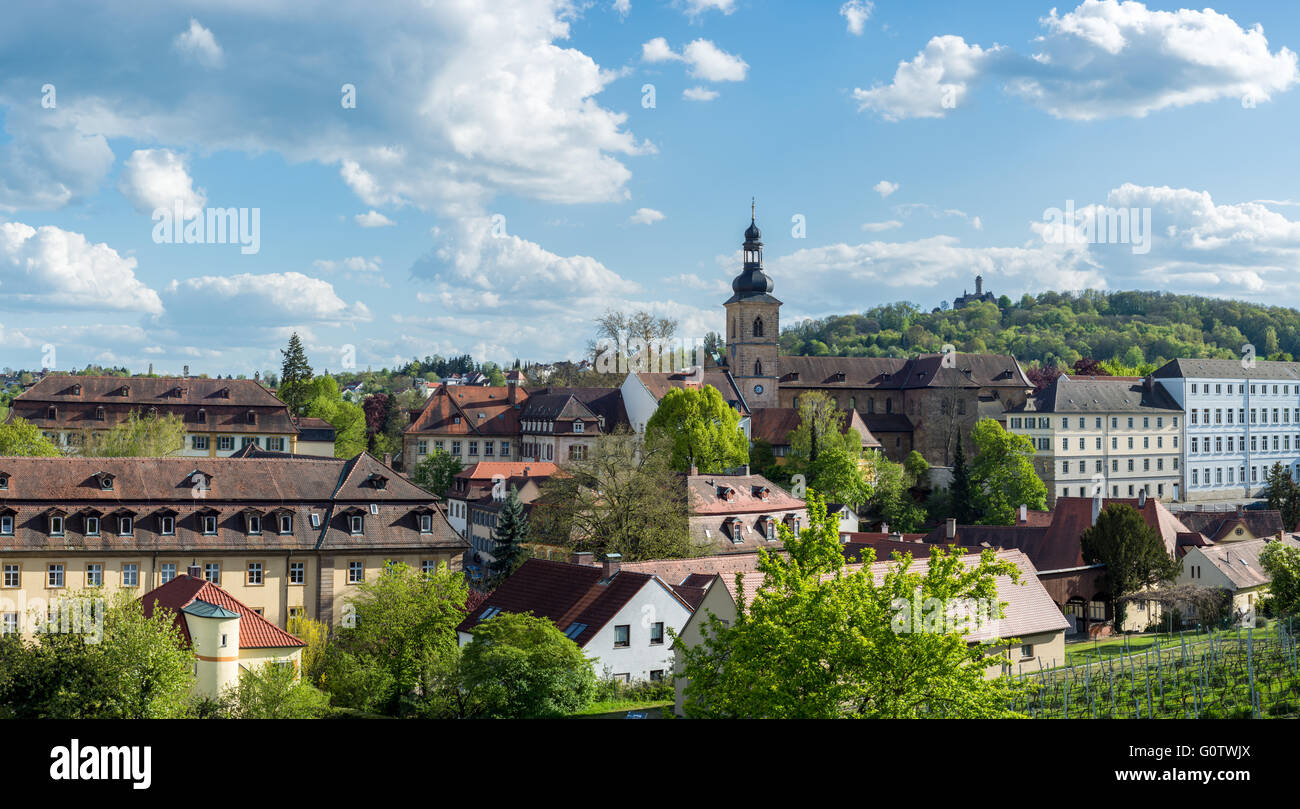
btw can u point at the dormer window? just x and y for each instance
(578, 426)
(202, 416)
(252, 417)
(105, 481)
(76, 390)
(378, 481)
(56, 525)
(357, 523)
(426, 523)
(167, 525)
(4, 482)
(92, 526)
(124, 391)
(224, 393)
(254, 524)
(455, 420)
(51, 412)
(209, 524)
(286, 523)
(99, 414)
(125, 526)
(7, 525)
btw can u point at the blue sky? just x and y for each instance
(502, 178)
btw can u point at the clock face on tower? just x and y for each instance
(758, 389)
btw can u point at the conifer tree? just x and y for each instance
(961, 499)
(510, 535)
(295, 372)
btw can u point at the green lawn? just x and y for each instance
(618, 708)
(1092, 651)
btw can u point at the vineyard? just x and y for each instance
(1255, 674)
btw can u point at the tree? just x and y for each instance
(624, 497)
(1002, 474)
(522, 667)
(20, 437)
(1282, 563)
(821, 641)
(1132, 551)
(825, 452)
(316, 635)
(960, 489)
(274, 691)
(891, 497)
(510, 535)
(295, 373)
(1278, 486)
(404, 627)
(322, 399)
(702, 429)
(139, 436)
(436, 472)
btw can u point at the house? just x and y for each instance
(562, 424)
(226, 636)
(774, 425)
(354, 392)
(1119, 435)
(468, 422)
(315, 437)
(287, 535)
(1234, 525)
(642, 391)
(1029, 614)
(1232, 566)
(736, 513)
(220, 415)
(619, 618)
(476, 497)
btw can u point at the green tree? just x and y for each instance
(20, 437)
(274, 691)
(960, 489)
(1278, 486)
(316, 635)
(321, 399)
(822, 641)
(295, 374)
(1002, 474)
(510, 535)
(436, 472)
(1132, 551)
(702, 429)
(522, 667)
(1282, 563)
(825, 452)
(891, 497)
(152, 436)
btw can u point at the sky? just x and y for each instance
(407, 179)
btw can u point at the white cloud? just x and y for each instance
(58, 269)
(158, 178)
(373, 219)
(260, 300)
(706, 60)
(694, 8)
(884, 188)
(877, 227)
(1103, 59)
(856, 13)
(622, 7)
(699, 94)
(197, 44)
(51, 160)
(353, 264)
(645, 216)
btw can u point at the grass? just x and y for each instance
(1091, 651)
(618, 708)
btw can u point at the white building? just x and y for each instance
(1240, 421)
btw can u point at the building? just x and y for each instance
(220, 415)
(226, 636)
(1240, 422)
(315, 437)
(469, 422)
(1233, 566)
(286, 535)
(1115, 435)
(476, 497)
(642, 391)
(738, 513)
(775, 424)
(980, 296)
(619, 618)
(1234, 525)
(753, 326)
(562, 424)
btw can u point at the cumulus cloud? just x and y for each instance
(706, 60)
(699, 94)
(197, 44)
(1083, 66)
(51, 159)
(622, 7)
(694, 8)
(159, 178)
(855, 14)
(58, 269)
(877, 227)
(645, 216)
(353, 264)
(373, 219)
(884, 188)
(261, 300)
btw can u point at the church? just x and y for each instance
(923, 403)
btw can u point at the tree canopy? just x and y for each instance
(1002, 476)
(701, 429)
(1132, 551)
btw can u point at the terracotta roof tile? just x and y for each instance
(255, 632)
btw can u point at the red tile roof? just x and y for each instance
(705, 493)
(255, 632)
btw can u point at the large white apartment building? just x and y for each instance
(1242, 417)
(1123, 434)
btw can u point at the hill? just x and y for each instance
(1129, 330)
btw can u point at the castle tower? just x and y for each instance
(753, 326)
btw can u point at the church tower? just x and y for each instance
(753, 326)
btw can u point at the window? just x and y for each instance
(428, 567)
(168, 570)
(275, 444)
(254, 573)
(11, 575)
(94, 575)
(422, 447)
(4, 481)
(286, 523)
(297, 572)
(125, 526)
(1027, 651)
(295, 612)
(356, 523)
(426, 523)
(203, 419)
(622, 636)
(473, 448)
(315, 521)
(209, 524)
(10, 623)
(656, 675)
(130, 575)
(54, 576)
(254, 524)
(455, 447)
(199, 442)
(92, 526)
(505, 447)
(225, 443)
(356, 572)
(657, 633)
(56, 525)
(212, 572)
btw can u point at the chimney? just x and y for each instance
(950, 528)
(195, 572)
(582, 558)
(1024, 514)
(695, 470)
(884, 528)
(745, 471)
(1240, 511)
(511, 391)
(613, 561)
(388, 459)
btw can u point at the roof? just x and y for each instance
(568, 594)
(1099, 395)
(186, 594)
(470, 410)
(1220, 525)
(893, 373)
(885, 545)
(486, 470)
(658, 384)
(1239, 561)
(587, 403)
(737, 494)
(1228, 369)
(774, 425)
